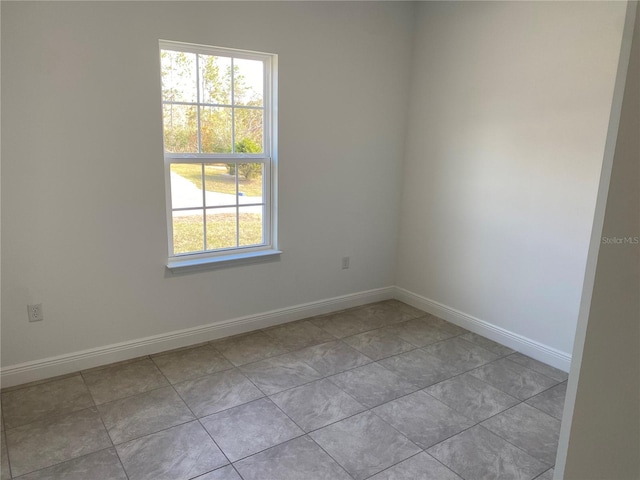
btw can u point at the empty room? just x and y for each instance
(311, 240)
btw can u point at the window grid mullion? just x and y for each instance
(204, 104)
(217, 158)
(204, 206)
(217, 207)
(237, 206)
(233, 111)
(202, 176)
(198, 102)
(233, 146)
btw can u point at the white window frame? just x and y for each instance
(268, 158)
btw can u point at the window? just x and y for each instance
(218, 115)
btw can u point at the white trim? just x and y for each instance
(63, 364)
(212, 50)
(191, 261)
(539, 351)
(217, 158)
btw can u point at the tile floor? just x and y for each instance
(378, 392)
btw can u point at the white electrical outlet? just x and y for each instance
(35, 312)
(345, 263)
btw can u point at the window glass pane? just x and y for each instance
(248, 130)
(180, 128)
(250, 183)
(215, 125)
(220, 181)
(221, 228)
(248, 82)
(186, 185)
(179, 76)
(215, 79)
(188, 231)
(250, 231)
(213, 106)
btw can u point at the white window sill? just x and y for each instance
(182, 263)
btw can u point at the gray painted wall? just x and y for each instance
(509, 111)
(83, 205)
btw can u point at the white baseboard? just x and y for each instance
(533, 349)
(63, 364)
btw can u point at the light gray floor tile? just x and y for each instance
(316, 404)
(378, 344)
(420, 332)
(224, 473)
(514, 379)
(472, 397)
(364, 444)
(38, 382)
(143, 414)
(297, 335)
(217, 392)
(391, 311)
(539, 367)
(57, 397)
(5, 471)
(249, 347)
(530, 429)
(487, 344)
(103, 465)
(460, 354)
(444, 325)
(420, 368)
(405, 307)
(332, 357)
(479, 454)
(55, 430)
(123, 380)
(419, 467)
(181, 452)
(348, 322)
(279, 373)
(294, 460)
(548, 475)
(551, 401)
(423, 419)
(248, 429)
(54, 440)
(187, 364)
(372, 384)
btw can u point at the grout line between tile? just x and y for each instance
(71, 460)
(4, 439)
(211, 436)
(112, 444)
(545, 413)
(98, 405)
(200, 423)
(329, 455)
(230, 367)
(36, 383)
(287, 350)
